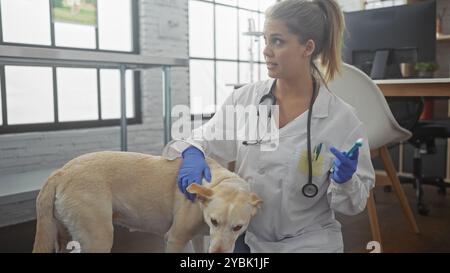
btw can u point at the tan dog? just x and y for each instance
(83, 199)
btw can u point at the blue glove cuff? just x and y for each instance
(340, 180)
(191, 150)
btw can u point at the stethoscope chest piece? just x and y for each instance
(310, 190)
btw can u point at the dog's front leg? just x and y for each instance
(174, 244)
(187, 222)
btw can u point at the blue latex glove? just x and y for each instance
(344, 166)
(192, 169)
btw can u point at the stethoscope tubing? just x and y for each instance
(310, 189)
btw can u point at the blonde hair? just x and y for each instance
(319, 20)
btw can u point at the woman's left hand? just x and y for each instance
(344, 166)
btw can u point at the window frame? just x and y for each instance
(238, 60)
(6, 128)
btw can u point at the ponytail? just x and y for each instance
(330, 57)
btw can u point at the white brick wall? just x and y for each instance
(33, 151)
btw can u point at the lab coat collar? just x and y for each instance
(321, 105)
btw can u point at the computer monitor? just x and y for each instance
(377, 41)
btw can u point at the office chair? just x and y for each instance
(382, 129)
(407, 111)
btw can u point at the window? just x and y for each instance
(25, 21)
(77, 95)
(115, 25)
(224, 77)
(110, 95)
(220, 54)
(36, 85)
(202, 85)
(93, 24)
(1, 106)
(40, 98)
(36, 98)
(351, 5)
(373, 4)
(355, 5)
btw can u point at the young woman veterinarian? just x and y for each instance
(318, 168)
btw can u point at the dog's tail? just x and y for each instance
(46, 229)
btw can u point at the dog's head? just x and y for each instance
(227, 210)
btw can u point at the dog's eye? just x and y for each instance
(237, 228)
(214, 222)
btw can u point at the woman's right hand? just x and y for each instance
(193, 168)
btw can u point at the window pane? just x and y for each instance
(249, 4)
(228, 2)
(74, 35)
(201, 86)
(248, 21)
(75, 23)
(115, 25)
(226, 36)
(77, 94)
(245, 72)
(348, 6)
(1, 109)
(26, 21)
(29, 94)
(372, 4)
(226, 76)
(110, 93)
(261, 39)
(264, 4)
(263, 72)
(201, 30)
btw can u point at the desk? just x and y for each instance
(438, 87)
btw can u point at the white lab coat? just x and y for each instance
(289, 221)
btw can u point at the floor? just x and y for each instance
(396, 234)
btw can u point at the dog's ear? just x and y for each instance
(203, 193)
(256, 202)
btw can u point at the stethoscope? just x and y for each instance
(310, 189)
